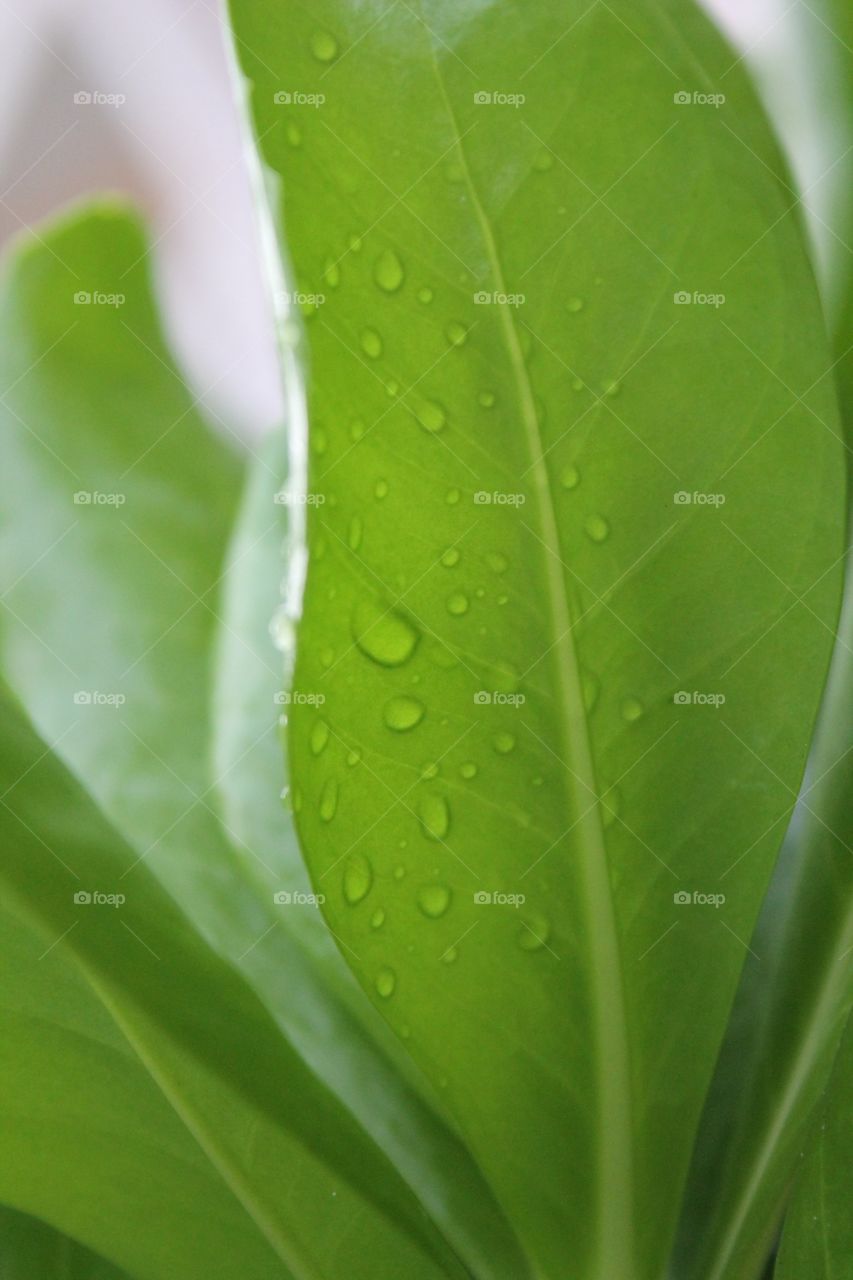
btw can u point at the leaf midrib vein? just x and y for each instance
(615, 1174)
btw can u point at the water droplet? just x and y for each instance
(538, 780)
(332, 274)
(497, 562)
(450, 956)
(486, 399)
(353, 758)
(324, 46)
(371, 344)
(431, 416)
(457, 604)
(385, 636)
(377, 919)
(399, 872)
(356, 429)
(388, 271)
(611, 388)
(456, 333)
(425, 295)
(577, 384)
(358, 878)
(386, 981)
(354, 243)
(329, 800)
(327, 657)
(574, 304)
(435, 816)
(319, 737)
(320, 440)
(597, 528)
(504, 743)
(294, 134)
(570, 477)
(403, 713)
(381, 489)
(392, 388)
(468, 770)
(450, 557)
(534, 932)
(433, 900)
(632, 709)
(543, 162)
(356, 529)
(452, 497)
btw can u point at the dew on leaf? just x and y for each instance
(534, 932)
(497, 562)
(543, 162)
(452, 497)
(371, 344)
(377, 919)
(354, 536)
(468, 770)
(431, 416)
(353, 758)
(329, 800)
(425, 295)
(294, 133)
(450, 557)
(570, 477)
(429, 770)
(324, 46)
(386, 981)
(383, 635)
(380, 489)
(486, 399)
(332, 274)
(597, 528)
(574, 304)
(457, 604)
(433, 900)
(402, 713)
(504, 743)
(319, 737)
(358, 878)
(632, 710)
(434, 814)
(388, 271)
(450, 956)
(456, 333)
(356, 429)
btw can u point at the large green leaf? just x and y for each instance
(817, 1243)
(573, 1037)
(188, 765)
(317, 1188)
(90, 1145)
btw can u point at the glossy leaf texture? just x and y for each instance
(817, 1243)
(31, 1248)
(168, 713)
(575, 525)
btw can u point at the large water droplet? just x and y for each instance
(380, 489)
(435, 816)
(468, 770)
(319, 737)
(371, 344)
(385, 636)
(452, 497)
(358, 878)
(386, 981)
(403, 713)
(450, 557)
(388, 271)
(324, 46)
(433, 900)
(597, 528)
(457, 604)
(632, 709)
(329, 800)
(431, 416)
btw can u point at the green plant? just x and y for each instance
(535, 1003)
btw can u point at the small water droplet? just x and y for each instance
(319, 737)
(574, 304)
(486, 399)
(433, 900)
(353, 758)
(377, 919)
(293, 133)
(385, 636)
(371, 344)
(457, 604)
(386, 981)
(358, 878)
(468, 770)
(504, 743)
(497, 562)
(452, 497)
(402, 713)
(327, 657)
(392, 388)
(534, 932)
(611, 388)
(431, 416)
(434, 814)
(356, 529)
(597, 528)
(570, 477)
(332, 274)
(319, 440)
(456, 333)
(538, 780)
(380, 489)
(356, 429)
(400, 871)
(388, 271)
(324, 46)
(329, 800)
(429, 770)
(450, 557)
(543, 162)
(354, 243)
(425, 295)
(632, 709)
(450, 956)
(577, 384)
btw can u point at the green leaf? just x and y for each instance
(90, 1145)
(493, 510)
(284, 1145)
(188, 765)
(817, 1243)
(31, 1248)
